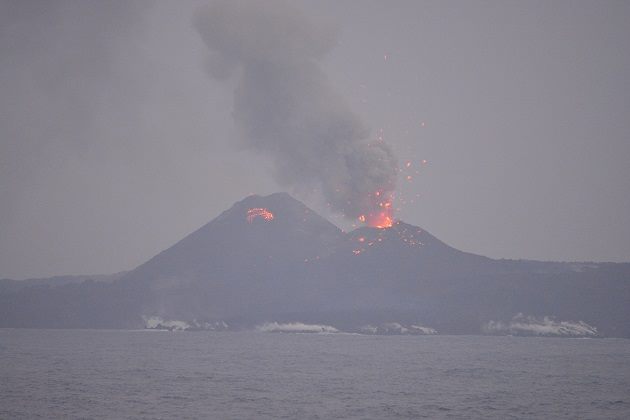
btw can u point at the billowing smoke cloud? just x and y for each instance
(286, 108)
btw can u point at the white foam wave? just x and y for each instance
(157, 323)
(423, 330)
(546, 326)
(296, 327)
(396, 328)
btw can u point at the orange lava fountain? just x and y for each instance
(383, 215)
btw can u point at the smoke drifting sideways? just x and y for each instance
(286, 108)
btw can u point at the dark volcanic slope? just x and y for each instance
(231, 240)
(234, 266)
(297, 266)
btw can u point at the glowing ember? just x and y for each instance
(380, 220)
(259, 212)
(383, 214)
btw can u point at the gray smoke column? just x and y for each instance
(286, 108)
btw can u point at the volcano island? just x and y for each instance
(271, 263)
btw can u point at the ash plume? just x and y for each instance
(286, 108)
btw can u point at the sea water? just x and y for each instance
(104, 374)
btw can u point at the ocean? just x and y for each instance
(108, 374)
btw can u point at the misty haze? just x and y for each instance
(314, 209)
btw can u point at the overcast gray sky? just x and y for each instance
(115, 143)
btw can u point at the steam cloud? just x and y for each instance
(286, 108)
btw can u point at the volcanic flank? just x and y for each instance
(274, 264)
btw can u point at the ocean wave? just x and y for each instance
(545, 326)
(396, 328)
(157, 323)
(296, 327)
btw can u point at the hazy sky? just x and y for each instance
(115, 142)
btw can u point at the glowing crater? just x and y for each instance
(259, 212)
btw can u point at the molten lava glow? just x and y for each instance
(380, 220)
(259, 212)
(383, 214)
